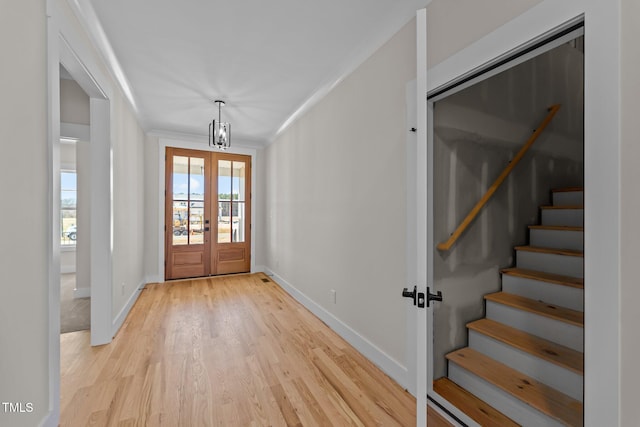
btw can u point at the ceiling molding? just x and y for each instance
(85, 13)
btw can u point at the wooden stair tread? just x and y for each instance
(555, 227)
(476, 409)
(567, 252)
(557, 354)
(532, 392)
(562, 207)
(551, 311)
(567, 189)
(559, 279)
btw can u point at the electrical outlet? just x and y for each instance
(332, 296)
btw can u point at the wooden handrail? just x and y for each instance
(446, 245)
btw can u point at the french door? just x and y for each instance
(207, 213)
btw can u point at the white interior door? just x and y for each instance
(422, 320)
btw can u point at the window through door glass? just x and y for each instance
(188, 200)
(231, 201)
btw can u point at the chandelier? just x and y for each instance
(219, 131)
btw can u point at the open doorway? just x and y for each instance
(525, 246)
(75, 280)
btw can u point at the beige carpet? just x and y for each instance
(75, 313)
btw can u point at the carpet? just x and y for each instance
(75, 313)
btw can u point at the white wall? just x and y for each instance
(74, 103)
(630, 227)
(127, 145)
(335, 198)
(83, 243)
(454, 25)
(152, 245)
(128, 204)
(23, 251)
(24, 331)
(259, 209)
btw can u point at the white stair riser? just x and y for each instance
(567, 198)
(562, 379)
(566, 217)
(551, 263)
(545, 327)
(552, 293)
(504, 402)
(557, 239)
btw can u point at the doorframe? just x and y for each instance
(66, 45)
(163, 143)
(602, 200)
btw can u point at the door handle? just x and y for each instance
(206, 229)
(419, 298)
(433, 297)
(406, 293)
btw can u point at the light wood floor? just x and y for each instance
(227, 351)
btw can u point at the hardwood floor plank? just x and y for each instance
(225, 351)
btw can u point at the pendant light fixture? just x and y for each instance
(219, 131)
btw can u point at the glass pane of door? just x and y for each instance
(180, 199)
(188, 200)
(224, 222)
(238, 222)
(225, 191)
(238, 178)
(196, 178)
(196, 223)
(179, 222)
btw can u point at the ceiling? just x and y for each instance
(269, 60)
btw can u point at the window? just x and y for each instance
(68, 206)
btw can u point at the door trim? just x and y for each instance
(197, 144)
(422, 220)
(66, 44)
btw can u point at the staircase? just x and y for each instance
(524, 364)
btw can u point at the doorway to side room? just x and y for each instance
(477, 126)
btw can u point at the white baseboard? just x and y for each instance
(81, 292)
(66, 269)
(153, 278)
(120, 318)
(52, 419)
(385, 362)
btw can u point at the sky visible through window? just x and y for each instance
(68, 205)
(68, 186)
